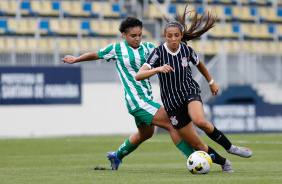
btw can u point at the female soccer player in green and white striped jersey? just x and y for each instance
(129, 56)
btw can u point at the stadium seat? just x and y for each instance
(31, 44)
(10, 43)
(94, 45)
(8, 7)
(21, 45)
(2, 43)
(96, 8)
(217, 10)
(250, 47)
(268, 14)
(87, 7)
(74, 8)
(212, 47)
(5, 29)
(86, 28)
(228, 13)
(243, 13)
(26, 9)
(154, 12)
(232, 46)
(108, 10)
(12, 25)
(268, 48)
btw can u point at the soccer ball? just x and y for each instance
(199, 162)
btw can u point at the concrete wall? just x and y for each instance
(103, 111)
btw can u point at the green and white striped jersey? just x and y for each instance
(128, 63)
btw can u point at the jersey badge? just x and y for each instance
(173, 120)
(125, 56)
(146, 55)
(184, 62)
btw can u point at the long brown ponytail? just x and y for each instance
(198, 25)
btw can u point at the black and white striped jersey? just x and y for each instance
(175, 86)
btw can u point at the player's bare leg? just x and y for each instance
(196, 113)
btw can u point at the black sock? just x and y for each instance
(220, 138)
(218, 159)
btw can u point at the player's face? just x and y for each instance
(173, 37)
(133, 37)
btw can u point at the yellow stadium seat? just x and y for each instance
(154, 12)
(10, 43)
(66, 7)
(212, 47)
(250, 47)
(54, 25)
(268, 48)
(245, 29)
(95, 45)
(31, 44)
(9, 6)
(243, 13)
(84, 44)
(73, 43)
(47, 9)
(104, 42)
(35, 6)
(2, 43)
(217, 10)
(232, 46)
(78, 9)
(268, 13)
(12, 24)
(96, 7)
(21, 43)
(95, 26)
(108, 10)
(74, 27)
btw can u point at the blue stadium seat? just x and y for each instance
(88, 8)
(229, 15)
(45, 28)
(86, 28)
(26, 10)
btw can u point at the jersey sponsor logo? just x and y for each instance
(153, 59)
(173, 120)
(184, 62)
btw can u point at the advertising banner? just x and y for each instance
(40, 85)
(245, 117)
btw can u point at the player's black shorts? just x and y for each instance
(179, 117)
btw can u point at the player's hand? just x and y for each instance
(166, 69)
(214, 88)
(69, 59)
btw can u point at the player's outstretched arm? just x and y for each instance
(85, 57)
(213, 86)
(145, 71)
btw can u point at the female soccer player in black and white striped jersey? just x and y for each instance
(180, 93)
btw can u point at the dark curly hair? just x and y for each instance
(129, 22)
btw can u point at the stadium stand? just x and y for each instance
(51, 28)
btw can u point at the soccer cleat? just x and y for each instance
(240, 151)
(212, 156)
(112, 156)
(227, 167)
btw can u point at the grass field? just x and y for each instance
(70, 160)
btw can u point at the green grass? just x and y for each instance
(70, 160)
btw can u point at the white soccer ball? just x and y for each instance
(199, 162)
